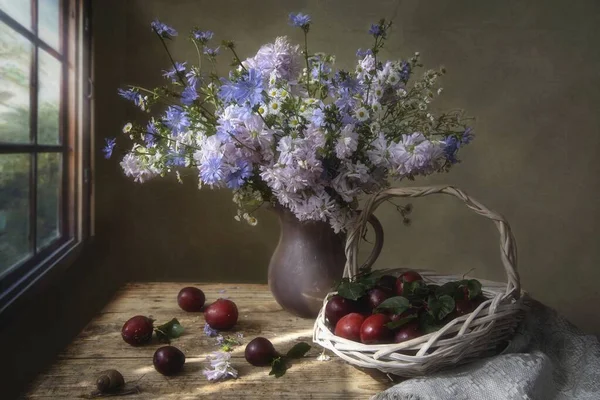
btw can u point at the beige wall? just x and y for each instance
(527, 70)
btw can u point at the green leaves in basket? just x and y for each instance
(351, 290)
(298, 351)
(473, 288)
(440, 307)
(169, 330)
(428, 323)
(459, 290)
(397, 305)
(398, 323)
(416, 291)
(355, 288)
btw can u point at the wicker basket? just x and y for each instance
(463, 339)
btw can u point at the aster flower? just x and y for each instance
(220, 366)
(202, 36)
(210, 332)
(278, 61)
(141, 170)
(108, 147)
(299, 20)
(362, 114)
(163, 30)
(127, 127)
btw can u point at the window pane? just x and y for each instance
(15, 64)
(48, 197)
(19, 10)
(49, 98)
(48, 22)
(14, 209)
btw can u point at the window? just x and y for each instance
(44, 142)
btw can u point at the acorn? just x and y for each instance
(110, 381)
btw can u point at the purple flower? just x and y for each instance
(108, 148)
(220, 366)
(132, 95)
(360, 53)
(212, 52)
(151, 134)
(202, 36)
(175, 159)
(192, 77)
(405, 71)
(163, 30)
(176, 120)
(248, 89)
(238, 176)
(300, 20)
(173, 73)
(210, 332)
(467, 136)
(188, 95)
(212, 171)
(376, 30)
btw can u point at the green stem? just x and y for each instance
(306, 58)
(199, 56)
(237, 59)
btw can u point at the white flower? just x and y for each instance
(347, 143)
(221, 367)
(393, 78)
(361, 114)
(274, 107)
(127, 127)
(323, 357)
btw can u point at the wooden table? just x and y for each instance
(100, 346)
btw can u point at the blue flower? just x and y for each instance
(173, 73)
(299, 20)
(175, 159)
(188, 95)
(346, 82)
(452, 144)
(360, 53)
(211, 170)
(376, 30)
(405, 71)
(318, 117)
(133, 96)
(467, 136)
(345, 99)
(163, 30)
(211, 52)
(238, 176)
(248, 89)
(151, 134)
(192, 77)
(176, 120)
(201, 36)
(210, 332)
(108, 148)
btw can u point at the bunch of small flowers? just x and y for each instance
(286, 127)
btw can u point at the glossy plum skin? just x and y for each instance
(408, 276)
(378, 295)
(168, 360)
(407, 332)
(348, 326)
(464, 307)
(191, 299)
(374, 331)
(260, 352)
(137, 330)
(221, 315)
(338, 307)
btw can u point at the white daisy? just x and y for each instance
(362, 114)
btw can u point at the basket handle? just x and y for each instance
(508, 247)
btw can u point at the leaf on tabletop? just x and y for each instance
(299, 350)
(169, 330)
(278, 367)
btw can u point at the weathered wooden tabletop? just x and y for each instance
(100, 346)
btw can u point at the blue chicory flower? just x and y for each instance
(173, 73)
(212, 52)
(188, 95)
(210, 332)
(175, 159)
(151, 134)
(405, 71)
(163, 30)
(299, 20)
(192, 77)
(360, 53)
(212, 171)
(248, 89)
(238, 176)
(202, 36)
(132, 95)
(108, 148)
(376, 30)
(176, 119)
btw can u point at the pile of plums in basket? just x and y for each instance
(373, 319)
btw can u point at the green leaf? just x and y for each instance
(396, 305)
(416, 290)
(440, 307)
(474, 288)
(169, 330)
(351, 290)
(428, 324)
(403, 321)
(449, 288)
(278, 367)
(298, 351)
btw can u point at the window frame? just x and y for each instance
(75, 115)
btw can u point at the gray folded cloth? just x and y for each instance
(548, 359)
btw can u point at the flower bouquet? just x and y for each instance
(287, 128)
